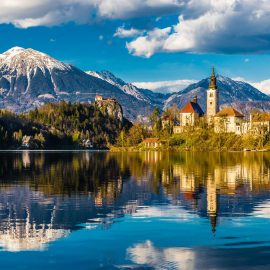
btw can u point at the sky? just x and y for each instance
(161, 42)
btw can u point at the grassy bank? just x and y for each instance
(202, 139)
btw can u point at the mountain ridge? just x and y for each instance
(230, 92)
(29, 79)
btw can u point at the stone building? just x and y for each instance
(259, 122)
(229, 120)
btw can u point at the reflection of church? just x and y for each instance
(212, 208)
(207, 188)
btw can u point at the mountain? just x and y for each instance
(155, 99)
(231, 93)
(29, 79)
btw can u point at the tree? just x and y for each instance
(136, 134)
(156, 122)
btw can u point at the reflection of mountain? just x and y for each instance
(46, 196)
(27, 220)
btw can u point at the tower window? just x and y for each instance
(211, 102)
(211, 95)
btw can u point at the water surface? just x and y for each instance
(151, 210)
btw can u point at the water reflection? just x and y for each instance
(45, 197)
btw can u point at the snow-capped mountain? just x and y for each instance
(230, 92)
(128, 88)
(153, 98)
(29, 78)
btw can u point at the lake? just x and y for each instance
(150, 210)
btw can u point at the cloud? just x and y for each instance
(126, 33)
(205, 26)
(29, 13)
(165, 86)
(149, 44)
(263, 86)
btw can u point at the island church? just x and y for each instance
(227, 119)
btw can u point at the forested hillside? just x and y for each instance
(59, 125)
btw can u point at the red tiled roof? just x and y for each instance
(151, 140)
(192, 107)
(229, 112)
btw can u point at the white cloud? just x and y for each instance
(125, 33)
(149, 44)
(221, 26)
(165, 86)
(263, 86)
(30, 13)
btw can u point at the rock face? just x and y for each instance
(230, 92)
(110, 107)
(29, 78)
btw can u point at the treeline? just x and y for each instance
(61, 125)
(199, 138)
(153, 127)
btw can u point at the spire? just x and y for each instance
(213, 71)
(213, 82)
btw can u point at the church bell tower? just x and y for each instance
(212, 98)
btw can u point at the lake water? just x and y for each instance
(152, 210)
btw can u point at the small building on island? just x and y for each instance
(152, 143)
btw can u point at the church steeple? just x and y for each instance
(212, 98)
(213, 80)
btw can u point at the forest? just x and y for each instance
(61, 125)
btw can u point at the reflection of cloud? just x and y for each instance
(167, 211)
(262, 210)
(166, 258)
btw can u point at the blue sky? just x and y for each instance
(157, 39)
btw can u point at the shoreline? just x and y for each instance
(142, 149)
